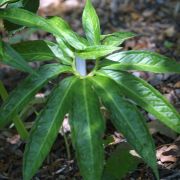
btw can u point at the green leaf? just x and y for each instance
(117, 38)
(143, 61)
(24, 18)
(87, 127)
(3, 2)
(55, 25)
(94, 52)
(59, 53)
(46, 127)
(120, 162)
(146, 96)
(127, 119)
(40, 50)
(14, 59)
(30, 5)
(61, 26)
(65, 48)
(27, 89)
(91, 24)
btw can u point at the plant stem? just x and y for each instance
(81, 66)
(17, 121)
(66, 144)
(20, 128)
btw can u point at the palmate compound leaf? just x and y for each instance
(117, 38)
(11, 57)
(127, 119)
(141, 60)
(87, 127)
(55, 25)
(145, 96)
(40, 50)
(26, 90)
(91, 24)
(46, 127)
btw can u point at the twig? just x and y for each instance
(66, 144)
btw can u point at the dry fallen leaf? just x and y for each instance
(14, 139)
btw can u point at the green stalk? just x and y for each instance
(80, 66)
(66, 144)
(17, 121)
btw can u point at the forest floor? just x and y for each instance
(158, 27)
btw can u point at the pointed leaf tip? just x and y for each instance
(91, 24)
(146, 96)
(143, 61)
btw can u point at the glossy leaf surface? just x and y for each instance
(147, 97)
(40, 50)
(143, 61)
(55, 25)
(127, 119)
(24, 18)
(37, 50)
(27, 89)
(67, 51)
(91, 24)
(61, 26)
(46, 127)
(87, 126)
(30, 5)
(14, 59)
(117, 38)
(94, 52)
(9, 26)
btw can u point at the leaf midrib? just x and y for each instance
(112, 100)
(88, 120)
(153, 67)
(142, 100)
(54, 119)
(136, 63)
(34, 89)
